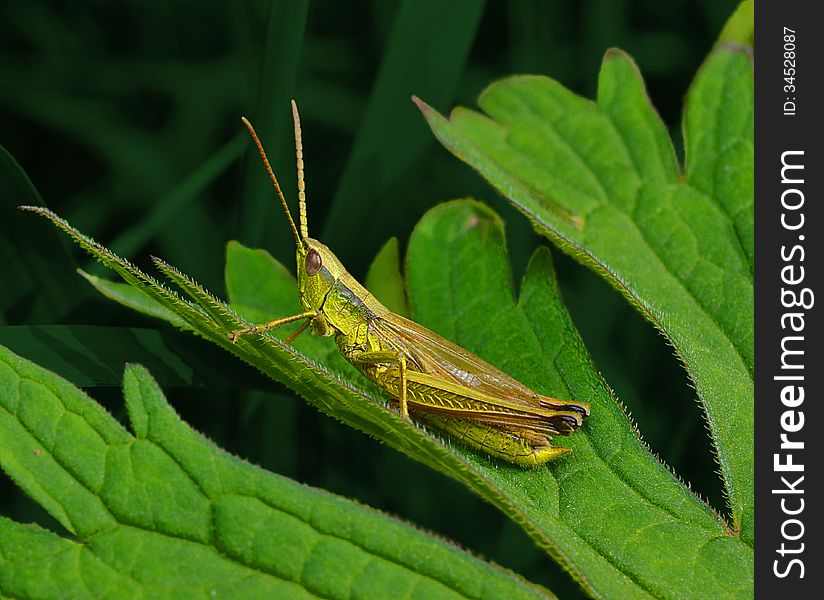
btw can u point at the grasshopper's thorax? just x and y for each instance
(326, 287)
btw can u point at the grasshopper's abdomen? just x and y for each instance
(510, 447)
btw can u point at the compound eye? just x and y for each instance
(314, 263)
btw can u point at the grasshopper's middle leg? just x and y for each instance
(392, 357)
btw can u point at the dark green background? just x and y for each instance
(125, 116)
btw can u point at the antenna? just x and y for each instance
(274, 180)
(304, 229)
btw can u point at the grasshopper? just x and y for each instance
(430, 377)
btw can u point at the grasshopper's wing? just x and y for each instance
(434, 355)
(435, 395)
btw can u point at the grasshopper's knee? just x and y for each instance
(234, 335)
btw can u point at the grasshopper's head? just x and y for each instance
(317, 267)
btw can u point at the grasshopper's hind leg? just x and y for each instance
(391, 357)
(402, 399)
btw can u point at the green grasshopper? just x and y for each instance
(429, 376)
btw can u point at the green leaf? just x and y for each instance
(231, 529)
(610, 501)
(718, 134)
(384, 278)
(618, 520)
(601, 180)
(132, 297)
(740, 27)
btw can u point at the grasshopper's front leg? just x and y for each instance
(393, 357)
(264, 327)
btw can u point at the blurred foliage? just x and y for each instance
(126, 119)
